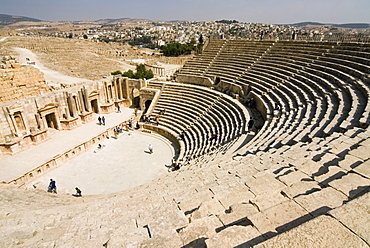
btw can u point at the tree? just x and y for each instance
(116, 73)
(177, 49)
(129, 74)
(140, 73)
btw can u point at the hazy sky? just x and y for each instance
(265, 11)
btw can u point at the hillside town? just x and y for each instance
(153, 34)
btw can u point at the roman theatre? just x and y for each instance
(299, 177)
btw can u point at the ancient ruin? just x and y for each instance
(298, 177)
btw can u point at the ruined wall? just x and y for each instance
(29, 120)
(19, 81)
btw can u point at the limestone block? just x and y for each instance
(350, 141)
(191, 202)
(351, 184)
(366, 142)
(363, 169)
(268, 199)
(329, 159)
(207, 208)
(243, 171)
(233, 236)
(309, 166)
(264, 184)
(328, 174)
(340, 147)
(322, 231)
(302, 187)
(237, 213)
(320, 202)
(200, 228)
(119, 238)
(159, 241)
(293, 177)
(349, 162)
(361, 152)
(355, 216)
(279, 218)
(234, 195)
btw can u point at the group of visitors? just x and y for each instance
(53, 188)
(251, 103)
(149, 119)
(101, 120)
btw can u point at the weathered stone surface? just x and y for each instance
(268, 199)
(363, 169)
(351, 184)
(326, 174)
(293, 177)
(172, 240)
(279, 218)
(234, 195)
(237, 213)
(355, 215)
(322, 231)
(299, 188)
(309, 166)
(361, 152)
(339, 147)
(206, 208)
(201, 228)
(263, 184)
(320, 202)
(189, 203)
(349, 162)
(234, 236)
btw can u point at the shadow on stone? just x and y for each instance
(198, 243)
(286, 227)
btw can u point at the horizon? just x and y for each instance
(263, 11)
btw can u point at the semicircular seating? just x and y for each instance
(322, 87)
(194, 113)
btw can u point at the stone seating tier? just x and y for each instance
(299, 195)
(197, 112)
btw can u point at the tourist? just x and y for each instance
(118, 109)
(52, 186)
(162, 112)
(277, 109)
(150, 147)
(99, 119)
(214, 137)
(78, 192)
(103, 120)
(252, 103)
(157, 120)
(250, 124)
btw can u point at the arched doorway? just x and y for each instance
(94, 105)
(147, 105)
(51, 121)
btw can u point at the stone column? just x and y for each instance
(81, 101)
(125, 89)
(71, 106)
(86, 99)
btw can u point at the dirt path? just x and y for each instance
(126, 66)
(51, 76)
